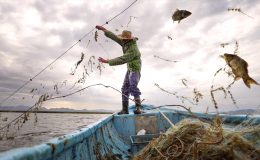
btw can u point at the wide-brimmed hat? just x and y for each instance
(125, 35)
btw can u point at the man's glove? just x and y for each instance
(100, 28)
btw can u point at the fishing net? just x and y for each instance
(194, 139)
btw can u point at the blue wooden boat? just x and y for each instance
(113, 137)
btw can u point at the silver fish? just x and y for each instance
(178, 15)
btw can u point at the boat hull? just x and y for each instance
(111, 137)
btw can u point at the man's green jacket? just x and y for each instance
(131, 56)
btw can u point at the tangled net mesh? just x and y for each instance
(193, 139)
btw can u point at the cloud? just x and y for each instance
(34, 33)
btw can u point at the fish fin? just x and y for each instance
(237, 78)
(249, 81)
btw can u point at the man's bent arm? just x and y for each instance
(127, 57)
(112, 36)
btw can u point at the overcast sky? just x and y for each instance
(35, 32)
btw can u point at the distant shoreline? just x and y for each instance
(74, 112)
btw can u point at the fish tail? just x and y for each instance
(248, 81)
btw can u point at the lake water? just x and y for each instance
(49, 125)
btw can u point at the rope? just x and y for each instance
(84, 36)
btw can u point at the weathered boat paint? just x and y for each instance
(109, 137)
(81, 144)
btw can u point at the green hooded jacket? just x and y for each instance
(131, 56)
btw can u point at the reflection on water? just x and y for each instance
(49, 125)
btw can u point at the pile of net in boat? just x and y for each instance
(194, 139)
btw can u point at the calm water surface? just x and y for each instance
(49, 125)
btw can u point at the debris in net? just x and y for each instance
(192, 139)
(96, 36)
(56, 89)
(91, 62)
(36, 109)
(239, 68)
(173, 93)
(34, 89)
(212, 91)
(182, 98)
(25, 117)
(223, 45)
(236, 48)
(41, 99)
(88, 44)
(100, 67)
(80, 80)
(226, 90)
(165, 59)
(232, 98)
(218, 72)
(229, 72)
(240, 11)
(179, 15)
(230, 94)
(78, 63)
(64, 83)
(86, 70)
(81, 59)
(130, 20)
(184, 82)
(197, 95)
(169, 37)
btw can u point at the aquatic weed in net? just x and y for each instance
(240, 11)
(77, 64)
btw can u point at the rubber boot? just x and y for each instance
(137, 106)
(124, 108)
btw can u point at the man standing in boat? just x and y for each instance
(131, 56)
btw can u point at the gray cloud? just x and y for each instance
(195, 44)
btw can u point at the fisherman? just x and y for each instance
(131, 56)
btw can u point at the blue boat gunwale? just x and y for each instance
(57, 145)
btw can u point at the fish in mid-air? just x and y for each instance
(239, 68)
(179, 15)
